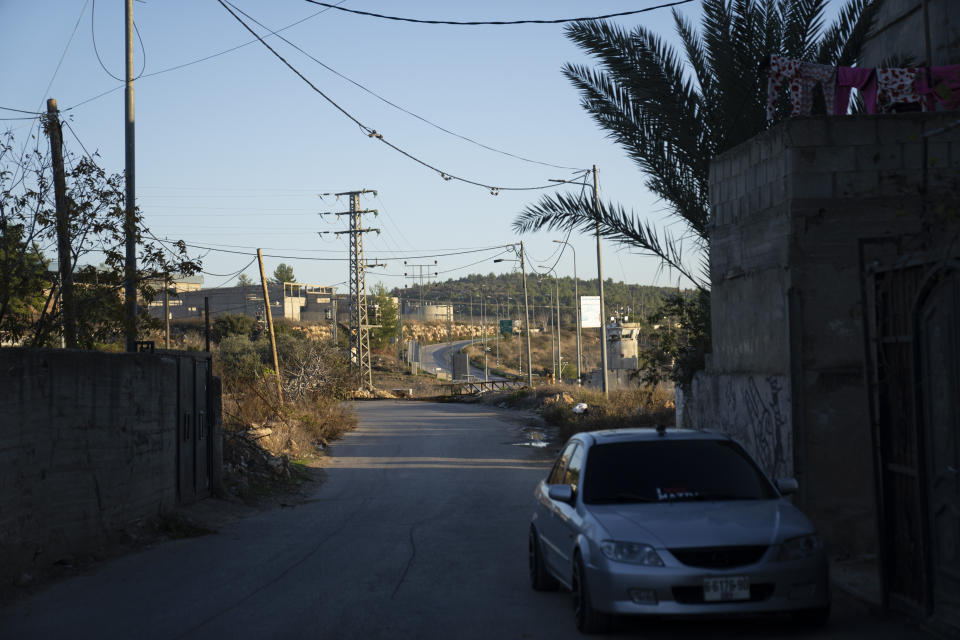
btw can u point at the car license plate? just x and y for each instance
(726, 589)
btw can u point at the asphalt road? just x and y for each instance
(440, 355)
(419, 531)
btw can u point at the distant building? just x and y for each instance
(290, 301)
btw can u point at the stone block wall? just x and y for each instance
(790, 208)
(87, 446)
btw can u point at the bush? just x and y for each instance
(239, 361)
(230, 325)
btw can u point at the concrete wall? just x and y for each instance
(87, 446)
(753, 409)
(899, 31)
(789, 210)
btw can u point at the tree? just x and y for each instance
(95, 206)
(387, 318)
(244, 280)
(23, 281)
(283, 273)
(672, 114)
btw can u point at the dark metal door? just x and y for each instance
(890, 295)
(938, 337)
(186, 444)
(201, 456)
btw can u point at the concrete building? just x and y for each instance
(290, 301)
(835, 271)
(429, 312)
(834, 253)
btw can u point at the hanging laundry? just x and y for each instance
(802, 79)
(943, 87)
(896, 88)
(782, 72)
(812, 76)
(864, 80)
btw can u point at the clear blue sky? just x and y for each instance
(233, 150)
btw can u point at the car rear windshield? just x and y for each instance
(672, 470)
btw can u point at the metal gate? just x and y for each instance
(912, 333)
(194, 450)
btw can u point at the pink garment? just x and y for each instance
(896, 87)
(863, 80)
(811, 75)
(943, 88)
(802, 79)
(783, 71)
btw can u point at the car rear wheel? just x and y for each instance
(540, 578)
(588, 619)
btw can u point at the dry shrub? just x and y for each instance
(620, 409)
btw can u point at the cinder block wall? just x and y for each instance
(789, 210)
(87, 446)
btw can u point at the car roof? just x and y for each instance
(609, 436)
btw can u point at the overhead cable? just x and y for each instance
(473, 23)
(373, 133)
(398, 107)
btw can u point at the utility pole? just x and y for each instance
(206, 323)
(64, 253)
(166, 310)
(576, 307)
(526, 317)
(359, 315)
(333, 302)
(603, 319)
(130, 218)
(419, 275)
(273, 337)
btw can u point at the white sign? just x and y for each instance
(590, 312)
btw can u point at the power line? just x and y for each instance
(96, 51)
(193, 62)
(498, 22)
(373, 133)
(316, 259)
(396, 106)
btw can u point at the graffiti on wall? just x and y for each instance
(752, 409)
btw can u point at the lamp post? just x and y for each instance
(526, 313)
(559, 360)
(576, 307)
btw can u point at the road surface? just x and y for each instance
(419, 531)
(441, 355)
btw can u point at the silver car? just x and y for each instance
(672, 522)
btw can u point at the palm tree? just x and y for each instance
(673, 115)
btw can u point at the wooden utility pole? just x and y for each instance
(130, 218)
(273, 337)
(64, 253)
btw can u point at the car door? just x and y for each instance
(546, 524)
(569, 521)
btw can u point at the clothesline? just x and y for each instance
(882, 90)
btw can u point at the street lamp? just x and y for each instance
(526, 313)
(576, 307)
(559, 369)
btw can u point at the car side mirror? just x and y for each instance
(561, 493)
(787, 486)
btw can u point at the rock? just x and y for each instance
(259, 433)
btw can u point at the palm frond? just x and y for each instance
(566, 212)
